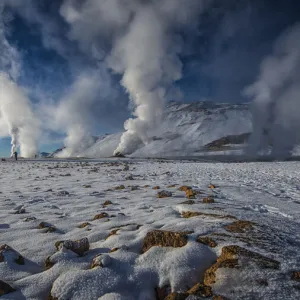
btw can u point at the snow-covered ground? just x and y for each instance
(133, 252)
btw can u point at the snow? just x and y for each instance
(184, 130)
(66, 194)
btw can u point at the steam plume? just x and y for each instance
(144, 49)
(276, 100)
(22, 124)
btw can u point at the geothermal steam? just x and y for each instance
(276, 98)
(144, 49)
(16, 113)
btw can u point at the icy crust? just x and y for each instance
(116, 237)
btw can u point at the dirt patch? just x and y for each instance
(207, 241)
(230, 258)
(164, 239)
(240, 226)
(190, 214)
(208, 199)
(100, 216)
(164, 194)
(79, 246)
(83, 225)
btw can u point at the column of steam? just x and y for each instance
(14, 140)
(148, 59)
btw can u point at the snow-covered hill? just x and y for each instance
(185, 130)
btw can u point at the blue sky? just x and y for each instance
(220, 57)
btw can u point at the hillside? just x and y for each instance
(185, 130)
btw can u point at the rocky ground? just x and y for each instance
(129, 229)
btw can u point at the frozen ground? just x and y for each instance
(65, 194)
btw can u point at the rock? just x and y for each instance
(164, 194)
(172, 186)
(164, 239)
(207, 241)
(163, 292)
(79, 246)
(63, 193)
(201, 290)
(135, 188)
(126, 168)
(212, 186)
(20, 211)
(29, 219)
(85, 224)
(229, 258)
(101, 260)
(5, 288)
(120, 187)
(119, 154)
(48, 263)
(87, 186)
(296, 276)
(107, 202)
(177, 296)
(113, 232)
(190, 194)
(190, 214)
(156, 187)
(130, 177)
(114, 250)
(9, 254)
(47, 226)
(208, 199)
(189, 202)
(100, 216)
(240, 226)
(184, 188)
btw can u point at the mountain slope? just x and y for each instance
(185, 130)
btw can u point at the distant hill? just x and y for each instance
(186, 129)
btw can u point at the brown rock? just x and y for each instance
(172, 186)
(208, 199)
(164, 239)
(83, 225)
(5, 288)
(113, 232)
(229, 258)
(47, 226)
(184, 188)
(79, 246)
(156, 188)
(114, 250)
(107, 202)
(296, 275)
(48, 263)
(162, 293)
(190, 194)
(6, 250)
(190, 214)
(100, 216)
(201, 290)
(207, 241)
(240, 226)
(164, 194)
(212, 186)
(177, 296)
